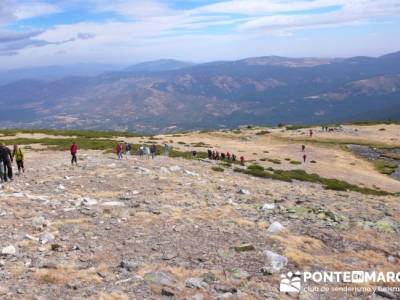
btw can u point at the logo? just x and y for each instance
(290, 283)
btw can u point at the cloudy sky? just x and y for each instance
(127, 31)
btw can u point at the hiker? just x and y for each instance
(141, 151)
(311, 132)
(1, 171)
(228, 156)
(74, 151)
(223, 156)
(194, 153)
(303, 148)
(242, 160)
(233, 157)
(128, 148)
(147, 152)
(19, 158)
(217, 155)
(209, 154)
(119, 151)
(214, 155)
(166, 150)
(304, 158)
(6, 157)
(153, 151)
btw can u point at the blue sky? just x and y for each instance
(39, 32)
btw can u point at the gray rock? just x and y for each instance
(275, 227)
(87, 201)
(268, 206)
(237, 273)
(31, 237)
(220, 288)
(46, 238)
(47, 264)
(129, 265)
(159, 278)
(225, 296)
(167, 291)
(174, 168)
(40, 222)
(190, 173)
(274, 262)
(195, 283)
(244, 192)
(9, 250)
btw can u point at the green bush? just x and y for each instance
(263, 132)
(301, 175)
(218, 169)
(385, 167)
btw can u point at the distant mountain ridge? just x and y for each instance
(159, 66)
(168, 94)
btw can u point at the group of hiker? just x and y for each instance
(6, 160)
(216, 155)
(143, 151)
(329, 129)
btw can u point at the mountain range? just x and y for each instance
(170, 95)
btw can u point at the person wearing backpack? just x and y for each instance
(7, 159)
(128, 148)
(119, 151)
(19, 158)
(74, 150)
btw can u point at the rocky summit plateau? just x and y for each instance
(184, 227)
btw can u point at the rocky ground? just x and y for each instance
(176, 229)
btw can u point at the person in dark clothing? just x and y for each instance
(311, 132)
(74, 150)
(304, 158)
(128, 148)
(153, 150)
(303, 148)
(194, 153)
(228, 156)
(217, 155)
(1, 171)
(233, 157)
(223, 156)
(242, 160)
(209, 154)
(6, 157)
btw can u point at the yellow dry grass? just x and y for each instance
(64, 275)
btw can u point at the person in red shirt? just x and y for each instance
(74, 150)
(119, 151)
(242, 160)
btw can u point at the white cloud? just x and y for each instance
(26, 10)
(152, 29)
(262, 7)
(352, 12)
